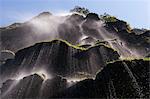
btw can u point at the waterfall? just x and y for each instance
(133, 79)
(115, 42)
(82, 32)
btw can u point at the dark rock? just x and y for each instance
(83, 89)
(138, 31)
(85, 46)
(28, 87)
(75, 18)
(6, 54)
(58, 57)
(126, 79)
(33, 86)
(91, 31)
(138, 43)
(146, 34)
(53, 86)
(6, 85)
(27, 33)
(121, 79)
(119, 25)
(92, 16)
(72, 28)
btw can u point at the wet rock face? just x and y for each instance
(126, 79)
(62, 61)
(136, 42)
(72, 28)
(30, 32)
(121, 79)
(92, 16)
(138, 31)
(33, 86)
(6, 85)
(83, 89)
(53, 86)
(28, 87)
(140, 43)
(69, 32)
(6, 54)
(119, 25)
(57, 57)
(13, 38)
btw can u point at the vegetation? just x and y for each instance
(80, 10)
(129, 28)
(128, 59)
(108, 18)
(78, 46)
(132, 58)
(74, 46)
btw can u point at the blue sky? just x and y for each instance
(135, 12)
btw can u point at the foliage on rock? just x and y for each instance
(80, 10)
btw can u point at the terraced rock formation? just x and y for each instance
(58, 58)
(120, 79)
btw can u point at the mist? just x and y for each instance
(72, 27)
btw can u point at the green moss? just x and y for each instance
(132, 58)
(74, 46)
(111, 62)
(108, 18)
(69, 44)
(78, 47)
(128, 59)
(146, 59)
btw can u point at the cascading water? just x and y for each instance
(115, 42)
(81, 31)
(77, 64)
(133, 80)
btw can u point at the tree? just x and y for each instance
(80, 10)
(108, 18)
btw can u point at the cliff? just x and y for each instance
(74, 28)
(58, 58)
(120, 79)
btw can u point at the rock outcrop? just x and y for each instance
(28, 87)
(72, 28)
(58, 57)
(120, 79)
(136, 42)
(85, 63)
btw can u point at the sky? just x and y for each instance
(135, 12)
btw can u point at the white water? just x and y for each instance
(81, 31)
(134, 82)
(115, 42)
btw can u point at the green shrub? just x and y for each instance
(108, 18)
(80, 10)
